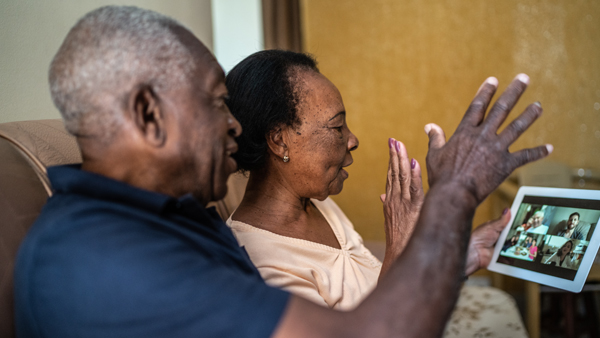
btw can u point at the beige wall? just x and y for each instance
(402, 64)
(32, 31)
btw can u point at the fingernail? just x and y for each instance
(505, 211)
(492, 80)
(427, 129)
(550, 148)
(538, 104)
(413, 163)
(398, 146)
(390, 140)
(523, 78)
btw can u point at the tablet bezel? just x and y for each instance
(586, 263)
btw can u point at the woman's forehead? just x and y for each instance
(317, 96)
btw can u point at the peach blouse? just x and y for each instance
(337, 278)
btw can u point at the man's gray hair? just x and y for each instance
(107, 54)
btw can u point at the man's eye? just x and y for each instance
(338, 128)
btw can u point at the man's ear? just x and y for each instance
(277, 142)
(148, 115)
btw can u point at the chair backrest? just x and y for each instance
(27, 148)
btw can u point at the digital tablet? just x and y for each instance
(552, 237)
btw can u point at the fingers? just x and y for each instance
(499, 224)
(520, 124)
(400, 173)
(506, 102)
(525, 156)
(382, 198)
(393, 182)
(405, 170)
(437, 138)
(416, 182)
(476, 111)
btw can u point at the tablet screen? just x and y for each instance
(551, 235)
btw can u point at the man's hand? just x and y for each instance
(482, 243)
(476, 156)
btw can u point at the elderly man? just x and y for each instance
(534, 224)
(125, 247)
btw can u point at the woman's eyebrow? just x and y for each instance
(343, 112)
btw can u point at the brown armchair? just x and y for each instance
(26, 149)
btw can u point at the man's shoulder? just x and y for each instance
(132, 264)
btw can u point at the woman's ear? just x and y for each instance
(148, 115)
(277, 141)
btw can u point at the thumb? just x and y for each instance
(382, 198)
(437, 138)
(499, 224)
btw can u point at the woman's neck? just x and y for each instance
(270, 204)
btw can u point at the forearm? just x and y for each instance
(416, 296)
(418, 293)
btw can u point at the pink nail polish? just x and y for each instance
(390, 140)
(413, 163)
(505, 211)
(398, 146)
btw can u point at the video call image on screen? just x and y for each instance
(550, 235)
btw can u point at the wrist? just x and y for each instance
(462, 195)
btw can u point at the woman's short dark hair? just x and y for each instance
(262, 97)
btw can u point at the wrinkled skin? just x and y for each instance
(477, 156)
(401, 202)
(424, 284)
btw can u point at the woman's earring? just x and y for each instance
(286, 159)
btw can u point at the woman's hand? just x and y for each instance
(401, 202)
(482, 243)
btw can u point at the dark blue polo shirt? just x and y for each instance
(105, 259)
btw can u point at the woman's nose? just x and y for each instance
(234, 126)
(352, 142)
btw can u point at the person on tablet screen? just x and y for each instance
(533, 249)
(536, 223)
(569, 231)
(562, 257)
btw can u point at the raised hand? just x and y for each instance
(402, 201)
(477, 156)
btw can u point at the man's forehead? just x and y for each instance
(211, 75)
(209, 71)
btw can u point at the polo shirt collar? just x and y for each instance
(71, 179)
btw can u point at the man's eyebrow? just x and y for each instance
(343, 112)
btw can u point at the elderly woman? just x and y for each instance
(295, 145)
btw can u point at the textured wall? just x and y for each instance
(402, 64)
(31, 32)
